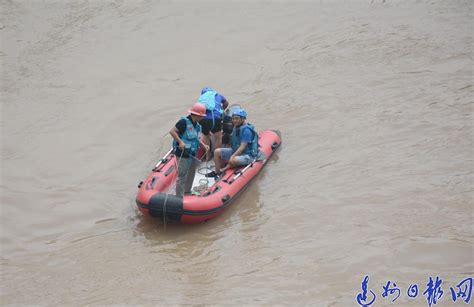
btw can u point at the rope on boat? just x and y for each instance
(203, 186)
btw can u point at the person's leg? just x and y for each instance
(217, 139)
(238, 161)
(221, 155)
(217, 133)
(183, 167)
(206, 139)
(190, 178)
(206, 125)
(225, 154)
(218, 159)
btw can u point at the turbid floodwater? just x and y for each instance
(374, 178)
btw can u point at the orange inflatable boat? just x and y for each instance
(154, 197)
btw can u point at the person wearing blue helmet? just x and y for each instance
(244, 141)
(212, 123)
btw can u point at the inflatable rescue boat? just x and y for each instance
(208, 200)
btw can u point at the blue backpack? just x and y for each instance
(208, 99)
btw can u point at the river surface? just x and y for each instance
(374, 178)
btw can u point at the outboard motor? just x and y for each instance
(227, 126)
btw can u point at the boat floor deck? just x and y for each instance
(200, 181)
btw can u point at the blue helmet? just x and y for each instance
(206, 89)
(240, 112)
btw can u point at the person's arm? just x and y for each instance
(239, 150)
(206, 147)
(225, 103)
(245, 138)
(175, 134)
(222, 100)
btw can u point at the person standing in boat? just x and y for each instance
(215, 105)
(186, 141)
(244, 141)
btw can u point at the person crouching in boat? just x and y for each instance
(244, 141)
(186, 135)
(215, 105)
